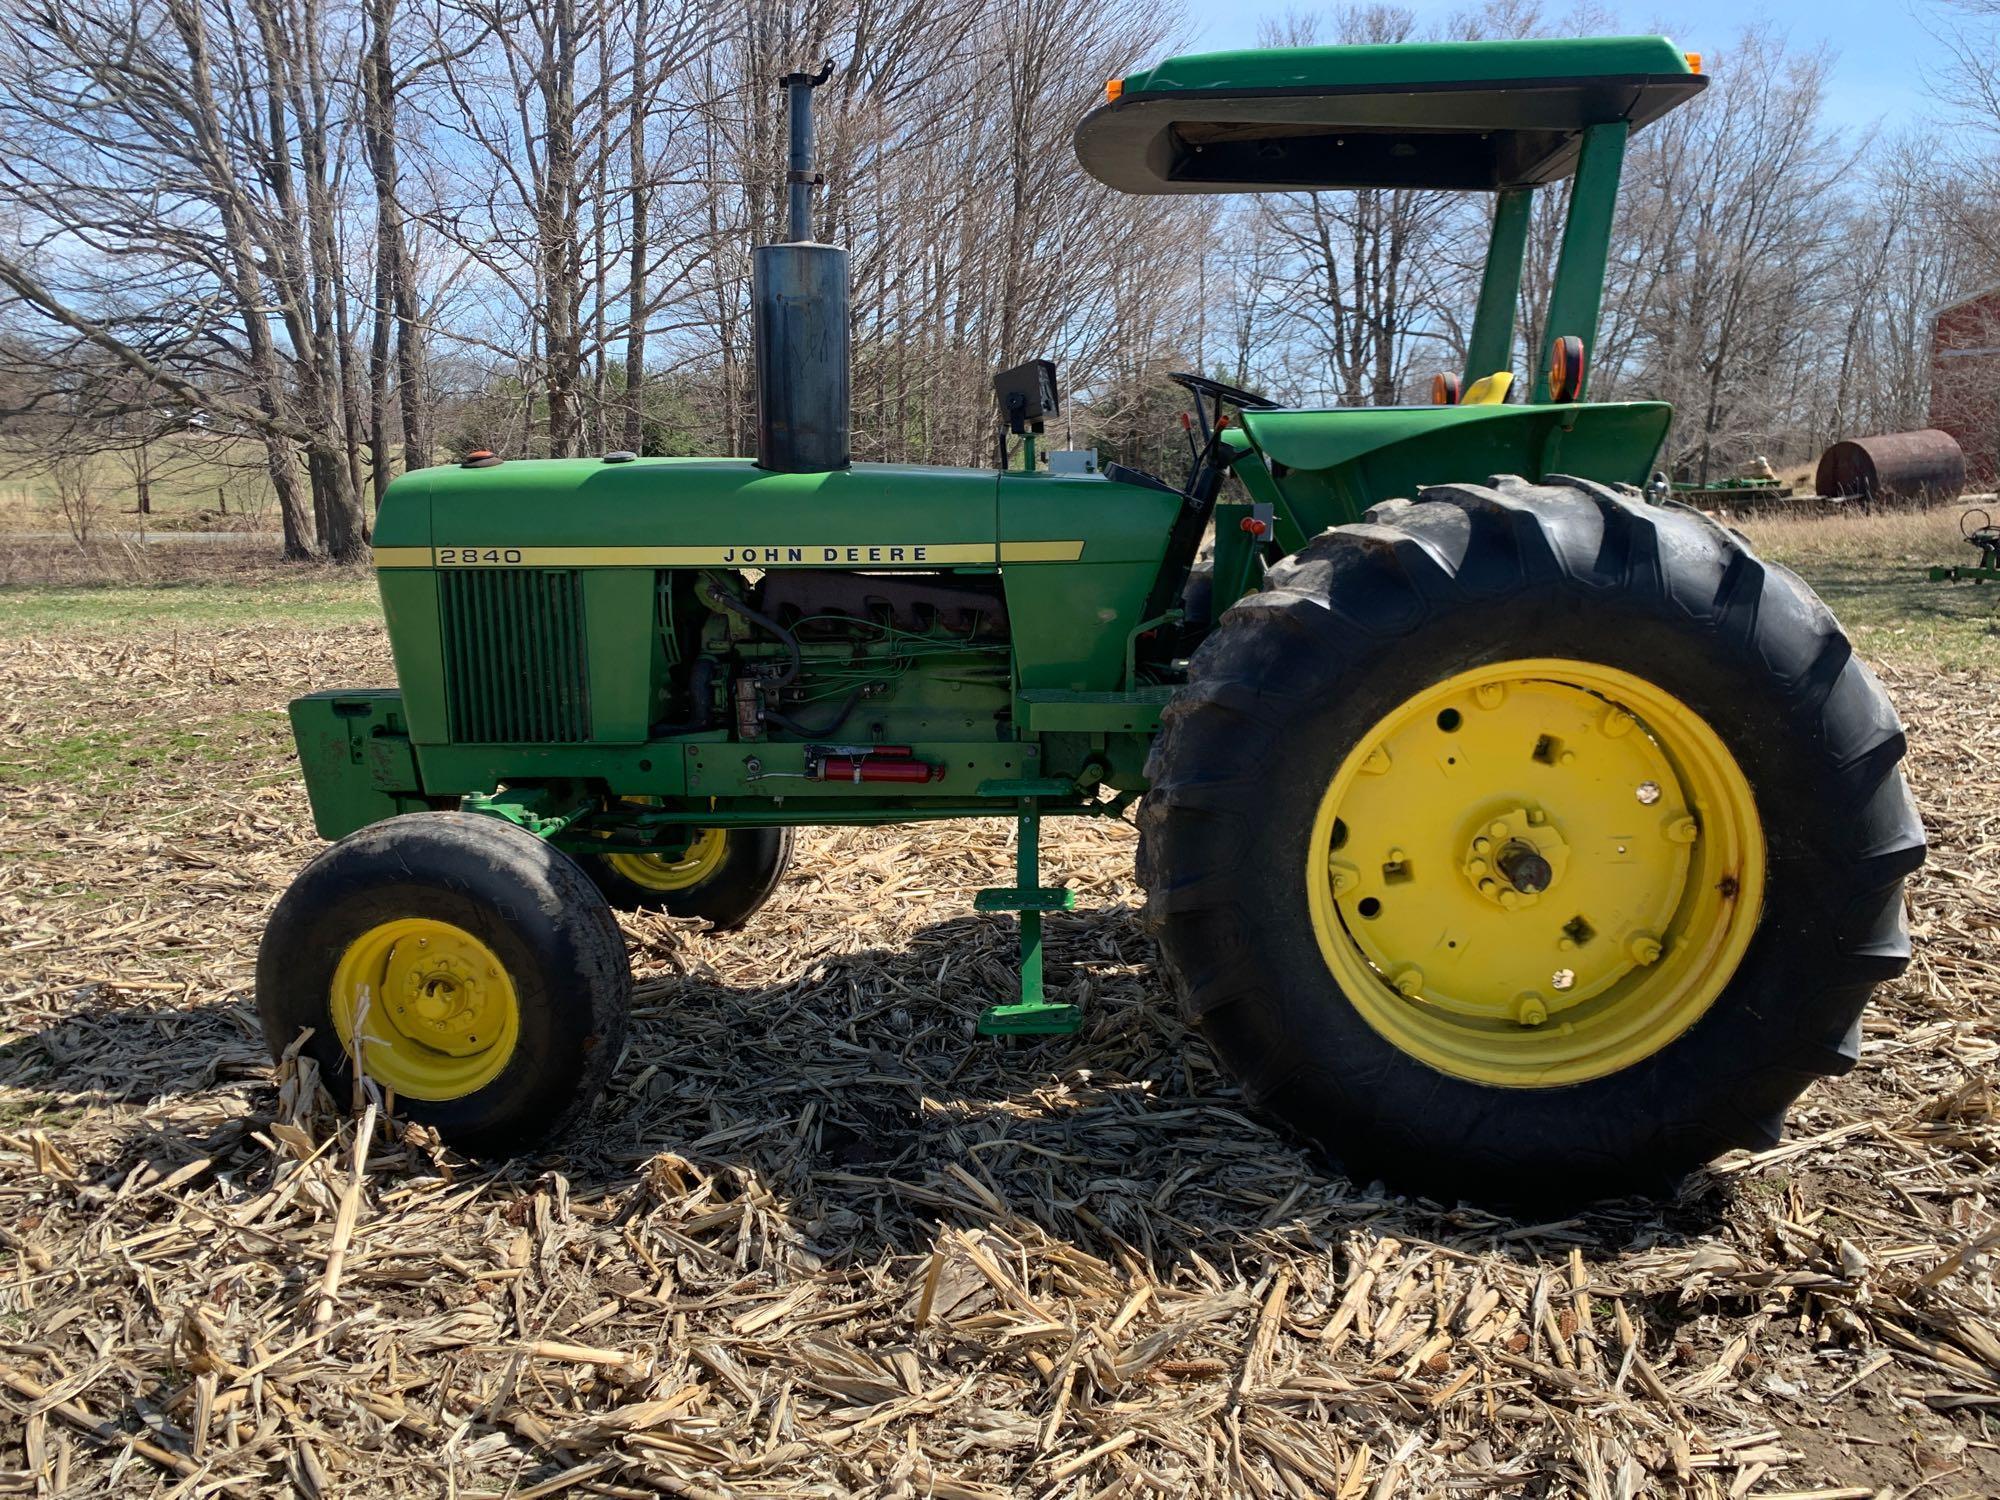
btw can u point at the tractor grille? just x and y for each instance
(514, 659)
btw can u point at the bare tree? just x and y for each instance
(1720, 292)
(175, 166)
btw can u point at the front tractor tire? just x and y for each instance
(724, 876)
(474, 970)
(1529, 843)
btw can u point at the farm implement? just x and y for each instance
(1977, 527)
(1516, 836)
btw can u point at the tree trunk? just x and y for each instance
(556, 226)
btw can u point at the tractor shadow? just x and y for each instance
(856, 1094)
(851, 1097)
(128, 1084)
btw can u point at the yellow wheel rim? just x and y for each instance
(662, 872)
(434, 1007)
(1536, 873)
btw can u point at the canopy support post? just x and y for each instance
(1491, 348)
(1578, 292)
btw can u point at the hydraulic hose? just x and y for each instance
(792, 668)
(735, 605)
(818, 730)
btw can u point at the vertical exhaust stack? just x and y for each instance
(799, 297)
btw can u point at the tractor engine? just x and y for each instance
(865, 662)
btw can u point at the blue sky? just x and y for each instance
(1883, 51)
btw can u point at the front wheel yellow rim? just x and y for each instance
(1536, 873)
(434, 1009)
(664, 872)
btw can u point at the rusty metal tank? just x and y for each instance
(1926, 465)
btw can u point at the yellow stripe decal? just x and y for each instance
(810, 555)
(1040, 551)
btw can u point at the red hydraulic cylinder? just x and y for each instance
(869, 768)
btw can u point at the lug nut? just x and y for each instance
(1529, 1010)
(1489, 694)
(1410, 982)
(1644, 948)
(1616, 722)
(1683, 830)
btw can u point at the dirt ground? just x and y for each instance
(821, 1241)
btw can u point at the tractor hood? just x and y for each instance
(686, 512)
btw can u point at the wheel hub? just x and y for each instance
(1513, 858)
(1536, 869)
(435, 1012)
(442, 1002)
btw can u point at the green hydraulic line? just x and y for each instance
(1578, 291)
(1491, 348)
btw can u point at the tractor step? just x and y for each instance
(1015, 898)
(1032, 1014)
(1031, 1018)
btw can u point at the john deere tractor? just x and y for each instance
(1509, 831)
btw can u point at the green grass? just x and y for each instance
(1872, 571)
(191, 473)
(309, 596)
(140, 751)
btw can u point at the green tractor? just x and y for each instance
(1523, 837)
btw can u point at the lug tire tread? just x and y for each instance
(1425, 579)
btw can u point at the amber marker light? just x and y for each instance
(1694, 61)
(1114, 87)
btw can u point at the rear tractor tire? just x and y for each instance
(724, 876)
(475, 970)
(1529, 843)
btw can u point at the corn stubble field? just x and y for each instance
(820, 1241)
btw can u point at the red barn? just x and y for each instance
(1965, 382)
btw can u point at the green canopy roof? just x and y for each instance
(1471, 115)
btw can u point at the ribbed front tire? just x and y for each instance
(473, 968)
(1371, 617)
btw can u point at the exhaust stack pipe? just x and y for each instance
(799, 320)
